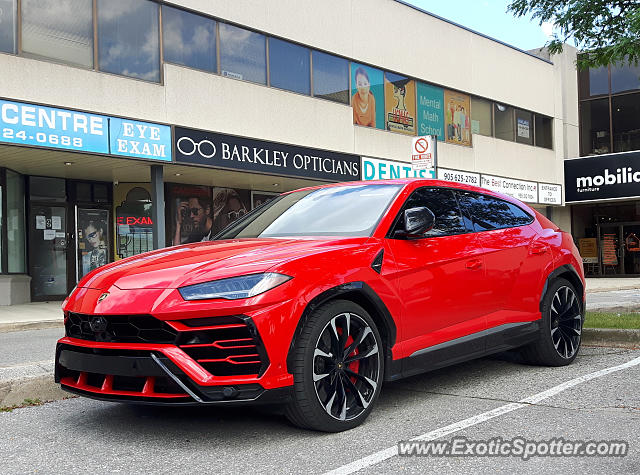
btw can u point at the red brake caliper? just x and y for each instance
(355, 365)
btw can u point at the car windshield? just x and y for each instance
(335, 211)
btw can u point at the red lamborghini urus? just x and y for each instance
(316, 298)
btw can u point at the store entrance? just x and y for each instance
(48, 256)
(619, 246)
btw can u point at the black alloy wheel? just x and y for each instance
(566, 322)
(338, 366)
(346, 366)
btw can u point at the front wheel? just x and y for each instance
(337, 368)
(561, 327)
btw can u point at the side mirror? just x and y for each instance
(418, 221)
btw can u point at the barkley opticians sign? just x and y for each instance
(50, 127)
(602, 177)
(240, 153)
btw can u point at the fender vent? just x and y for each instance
(376, 265)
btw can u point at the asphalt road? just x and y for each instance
(29, 346)
(85, 436)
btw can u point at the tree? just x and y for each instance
(607, 32)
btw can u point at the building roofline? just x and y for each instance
(438, 17)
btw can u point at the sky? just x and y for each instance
(490, 17)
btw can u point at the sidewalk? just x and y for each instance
(30, 316)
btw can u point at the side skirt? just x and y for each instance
(469, 347)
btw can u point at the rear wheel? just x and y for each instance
(338, 366)
(561, 327)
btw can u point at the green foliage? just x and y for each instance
(608, 32)
(612, 320)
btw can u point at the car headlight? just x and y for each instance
(234, 288)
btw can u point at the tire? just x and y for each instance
(561, 327)
(335, 389)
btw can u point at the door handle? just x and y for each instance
(474, 264)
(538, 247)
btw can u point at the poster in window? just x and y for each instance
(367, 96)
(133, 221)
(430, 110)
(189, 215)
(93, 240)
(400, 103)
(457, 118)
(229, 204)
(523, 128)
(258, 198)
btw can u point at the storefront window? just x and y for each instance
(289, 66)
(189, 39)
(8, 26)
(243, 54)
(625, 78)
(330, 77)
(504, 118)
(134, 225)
(61, 30)
(626, 127)
(543, 131)
(128, 42)
(16, 249)
(524, 127)
(594, 126)
(481, 122)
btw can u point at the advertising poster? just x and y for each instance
(367, 96)
(400, 103)
(93, 240)
(258, 198)
(134, 225)
(458, 118)
(189, 214)
(430, 110)
(588, 250)
(229, 204)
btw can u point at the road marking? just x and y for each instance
(387, 453)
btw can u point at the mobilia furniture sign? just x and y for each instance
(602, 177)
(240, 153)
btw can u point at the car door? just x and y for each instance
(440, 276)
(513, 256)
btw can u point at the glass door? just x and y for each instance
(610, 251)
(93, 240)
(48, 248)
(631, 248)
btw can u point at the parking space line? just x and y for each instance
(389, 452)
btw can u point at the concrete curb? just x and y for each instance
(29, 381)
(611, 337)
(615, 309)
(35, 325)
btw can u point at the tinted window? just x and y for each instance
(59, 29)
(505, 126)
(442, 204)
(492, 213)
(625, 77)
(594, 130)
(330, 77)
(8, 26)
(524, 127)
(189, 39)
(128, 42)
(289, 66)
(626, 132)
(242, 54)
(481, 122)
(543, 131)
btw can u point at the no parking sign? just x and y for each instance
(424, 152)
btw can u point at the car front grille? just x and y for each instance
(119, 328)
(224, 346)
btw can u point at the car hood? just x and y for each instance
(193, 263)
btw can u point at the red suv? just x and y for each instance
(316, 298)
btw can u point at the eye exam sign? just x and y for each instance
(50, 127)
(240, 153)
